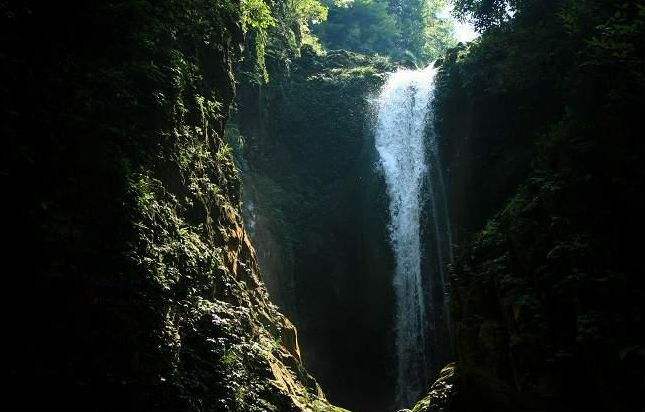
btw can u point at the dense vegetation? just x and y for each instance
(132, 281)
(130, 277)
(540, 120)
(413, 29)
(318, 215)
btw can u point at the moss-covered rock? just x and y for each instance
(319, 214)
(142, 285)
(441, 393)
(542, 149)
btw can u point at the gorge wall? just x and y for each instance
(133, 283)
(319, 216)
(318, 207)
(133, 198)
(539, 125)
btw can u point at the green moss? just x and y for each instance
(136, 196)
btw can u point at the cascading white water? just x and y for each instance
(403, 113)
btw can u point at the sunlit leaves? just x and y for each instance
(256, 15)
(485, 13)
(402, 29)
(309, 11)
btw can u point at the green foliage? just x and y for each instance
(279, 28)
(363, 25)
(551, 101)
(256, 17)
(485, 13)
(390, 27)
(438, 32)
(307, 13)
(422, 32)
(115, 125)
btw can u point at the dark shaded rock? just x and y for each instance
(544, 162)
(319, 213)
(134, 285)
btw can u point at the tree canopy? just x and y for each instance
(397, 28)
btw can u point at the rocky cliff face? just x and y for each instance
(546, 197)
(133, 283)
(319, 213)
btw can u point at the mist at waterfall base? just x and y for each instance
(419, 228)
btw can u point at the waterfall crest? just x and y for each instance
(404, 110)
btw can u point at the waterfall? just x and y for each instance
(402, 134)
